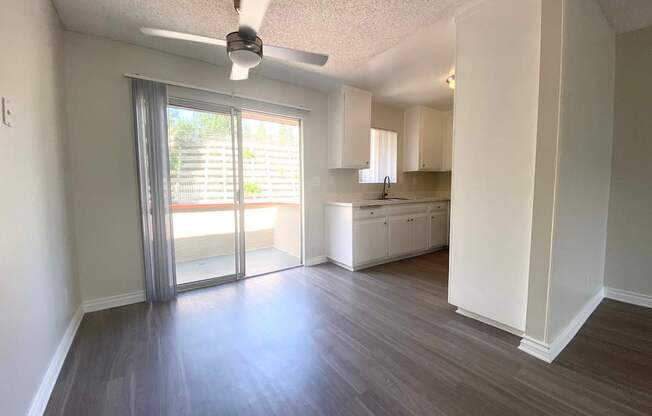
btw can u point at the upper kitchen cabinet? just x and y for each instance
(349, 128)
(427, 143)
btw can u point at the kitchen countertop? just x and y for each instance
(376, 202)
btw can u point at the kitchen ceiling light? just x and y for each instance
(451, 82)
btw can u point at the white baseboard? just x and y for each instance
(364, 266)
(42, 396)
(489, 321)
(536, 348)
(628, 297)
(313, 261)
(113, 301)
(549, 351)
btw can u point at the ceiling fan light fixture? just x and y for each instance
(246, 52)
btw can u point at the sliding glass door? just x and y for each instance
(271, 176)
(236, 192)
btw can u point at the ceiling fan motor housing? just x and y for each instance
(245, 51)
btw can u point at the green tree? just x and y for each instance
(251, 189)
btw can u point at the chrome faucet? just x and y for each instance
(386, 185)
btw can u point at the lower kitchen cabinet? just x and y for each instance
(438, 229)
(358, 237)
(420, 232)
(370, 238)
(399, 235)
(408, 234)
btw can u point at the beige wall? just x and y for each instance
(546, 167)
(493, 158)
(287, 229)
(38, 288)
(103, 161)
(584, 162)
(573, 165)
(345, 181)
(629, 237)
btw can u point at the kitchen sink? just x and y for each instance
(390, 199)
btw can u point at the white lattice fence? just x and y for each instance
(204, 174)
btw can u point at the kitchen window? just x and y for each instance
(383, 157)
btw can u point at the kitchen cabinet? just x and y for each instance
(427, 141)
(400, 240)
(420, 232)
(359, 237)
(408, 234)
(370, 238)
(349, 128)
(438, 229)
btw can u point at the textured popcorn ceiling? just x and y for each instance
(627, 15)
(401, 50)
(352, 33)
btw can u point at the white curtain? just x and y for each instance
(150, 101)
(383, 157)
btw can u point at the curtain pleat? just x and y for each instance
(150, 115)
(383, 157)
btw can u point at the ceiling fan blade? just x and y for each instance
(295, 55)
(252, 13)
(162, 33)
(239, 73)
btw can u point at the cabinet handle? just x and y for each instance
(371, 213)
(423, 165)
(367, 162)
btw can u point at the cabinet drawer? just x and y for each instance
(369, 212)
(408, 209)
(439, 206)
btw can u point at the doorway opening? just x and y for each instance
(235, 182)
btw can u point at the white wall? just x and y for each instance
(493, 158)
(345, 181)
(38, 287)
(545, 167)
(629, 237)
(583, 162)
(103, 161)
(287, 229)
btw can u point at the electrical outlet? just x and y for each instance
(6, 112)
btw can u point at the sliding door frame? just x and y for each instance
(226, 111)
(235, 110)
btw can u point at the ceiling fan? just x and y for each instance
(244, 47)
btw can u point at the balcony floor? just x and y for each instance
(258, 261)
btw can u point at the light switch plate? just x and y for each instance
(6, 112)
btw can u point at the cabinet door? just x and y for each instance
(400, 239)
(430, 136)
(438, 229)
(357, 129)
(447, 143)
(411, 140)
(370, 238)
(419, 232)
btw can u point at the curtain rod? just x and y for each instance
(227, 93)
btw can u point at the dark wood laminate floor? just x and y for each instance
(325, 341)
